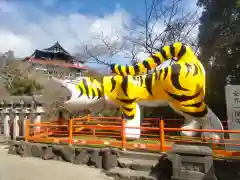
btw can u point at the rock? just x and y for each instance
(125, 173)
(95, 160)
(163, 170)
(57, 151)
(124, 162)
(48, 153)
(22, 144)
(12, 149)
(109, 160)
(116, 152)
(82, 158)
(93, 150)
(78, 150)
(37, 150)
(26, 150)
(67, 153)
(19, 149)
(59, 158)
(56, 148)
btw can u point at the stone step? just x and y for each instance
(137, 164)
(140, 155)
(125, 173)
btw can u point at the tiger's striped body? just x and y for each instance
(181, 85)
(185, 95)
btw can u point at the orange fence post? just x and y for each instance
(123, 133)
(27, 127)
(88, 117)
(161, 130)
(70, 131)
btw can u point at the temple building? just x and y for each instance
(56, 61)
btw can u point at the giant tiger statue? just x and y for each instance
(180, 85)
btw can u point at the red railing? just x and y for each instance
(156, 134)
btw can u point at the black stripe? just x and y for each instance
(165, 73)
(172, 50)
(141, 80)
(198, 104)
(127, 101)
(182, 98)
(112, 67)
(127, 69)
(156, 59)
(99, 93)
(93, 93)
(113, 81)
(127, 109)
(162, 51)
(182, 51)
(160, 72)
(200, 69)
(148, 82)
(197, 114)
(81, 91)
(189, 67)
(175, 77)
(136, 69)
(146, 65)
(155, 75)
(195, 70)
(128, 117)
(120, 69)
(124, 85)
(86, 87)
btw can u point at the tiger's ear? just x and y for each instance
(128, 110)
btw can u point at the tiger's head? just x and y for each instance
(86, 94)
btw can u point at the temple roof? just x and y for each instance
(53, 55)
(56, 48)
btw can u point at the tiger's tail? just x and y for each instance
(176, 50)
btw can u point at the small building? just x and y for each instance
(56, 61)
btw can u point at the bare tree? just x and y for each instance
(101, 46)
(162, 24)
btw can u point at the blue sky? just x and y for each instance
(29, 24)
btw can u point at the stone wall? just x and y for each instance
(116, 163)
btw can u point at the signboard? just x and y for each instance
(232, 93)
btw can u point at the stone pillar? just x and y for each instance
(192, 161)
(6, 123)
(16, 119)
(38, 118)
(26, 115)
(1, 120)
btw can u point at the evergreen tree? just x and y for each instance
(219, 42)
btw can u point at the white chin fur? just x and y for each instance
(132, 133)
(191, 125)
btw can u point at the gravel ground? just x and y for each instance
(16, 168)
